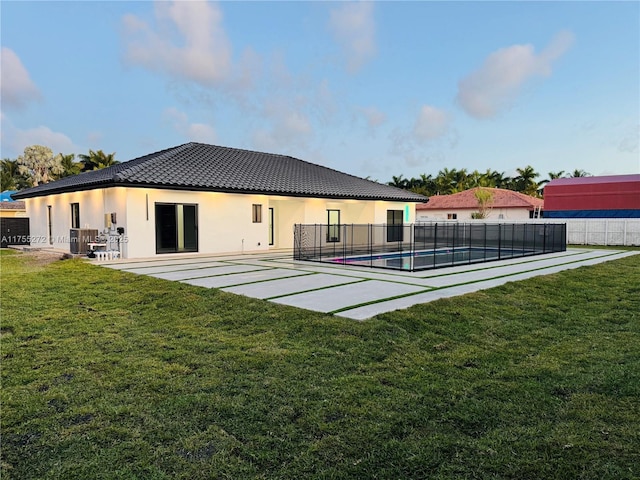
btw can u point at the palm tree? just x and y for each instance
(579, 173)
(462, 181)
(493, 178)
(97, 160)
(422, 185)
(70, 167)
(487, 179)
(525, 181)
(446, 181)
(398, 181)
(484, 196)
(554, 175)
(428, 184)
(8, 172)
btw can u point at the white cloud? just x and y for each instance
(188, 42)
(496, 84)
(427, 141)
(279, 74)
(17, 87)
(431, 123)
(94, 137)
(176, 116)
(247, 70)
(289, 127)
(14, 140)
(630, 141)
(201, 132)
(373, 116)
(354, 28)
(194, 132)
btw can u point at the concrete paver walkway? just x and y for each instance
(348, 291)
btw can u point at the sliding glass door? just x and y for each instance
(176, 228)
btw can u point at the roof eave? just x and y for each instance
(66, 189)
(267, 192)
(114, 183)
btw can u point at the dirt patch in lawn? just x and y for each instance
(41, 258)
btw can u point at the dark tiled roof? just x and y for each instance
(196, 166)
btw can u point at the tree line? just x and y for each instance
(38, 165)
(449, 181)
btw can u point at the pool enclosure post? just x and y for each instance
(344, 241)
(453, 243)
(370, 240)
(435, 242)
(484, 249)
(352, 235)
(470, 240)
(411, 246)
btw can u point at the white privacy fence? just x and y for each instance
(586, 231)
(603, 231)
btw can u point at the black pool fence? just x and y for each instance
(414, 247)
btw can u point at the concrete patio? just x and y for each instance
(353, 292)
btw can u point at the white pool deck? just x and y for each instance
(350, 291)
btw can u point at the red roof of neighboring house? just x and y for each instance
(467, 199)
(12, 206)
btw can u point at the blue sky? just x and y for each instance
(370, 88)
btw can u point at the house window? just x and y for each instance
(75, 215)
(50, 224)
(256, 214)
(394, 225)
(452, 216)
(176, 227)
(333, 226)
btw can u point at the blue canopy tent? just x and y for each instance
(6, 196)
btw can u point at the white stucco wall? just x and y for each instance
(224, 220)
(93, 205)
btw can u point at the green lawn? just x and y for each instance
(111, 375)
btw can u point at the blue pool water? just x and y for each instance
(423, 259)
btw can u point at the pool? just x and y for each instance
(425, 246)
(425, 259)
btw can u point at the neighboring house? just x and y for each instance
(11, 209)
(208, 199)
(613, 196)
(504, 205)
(14, 223)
